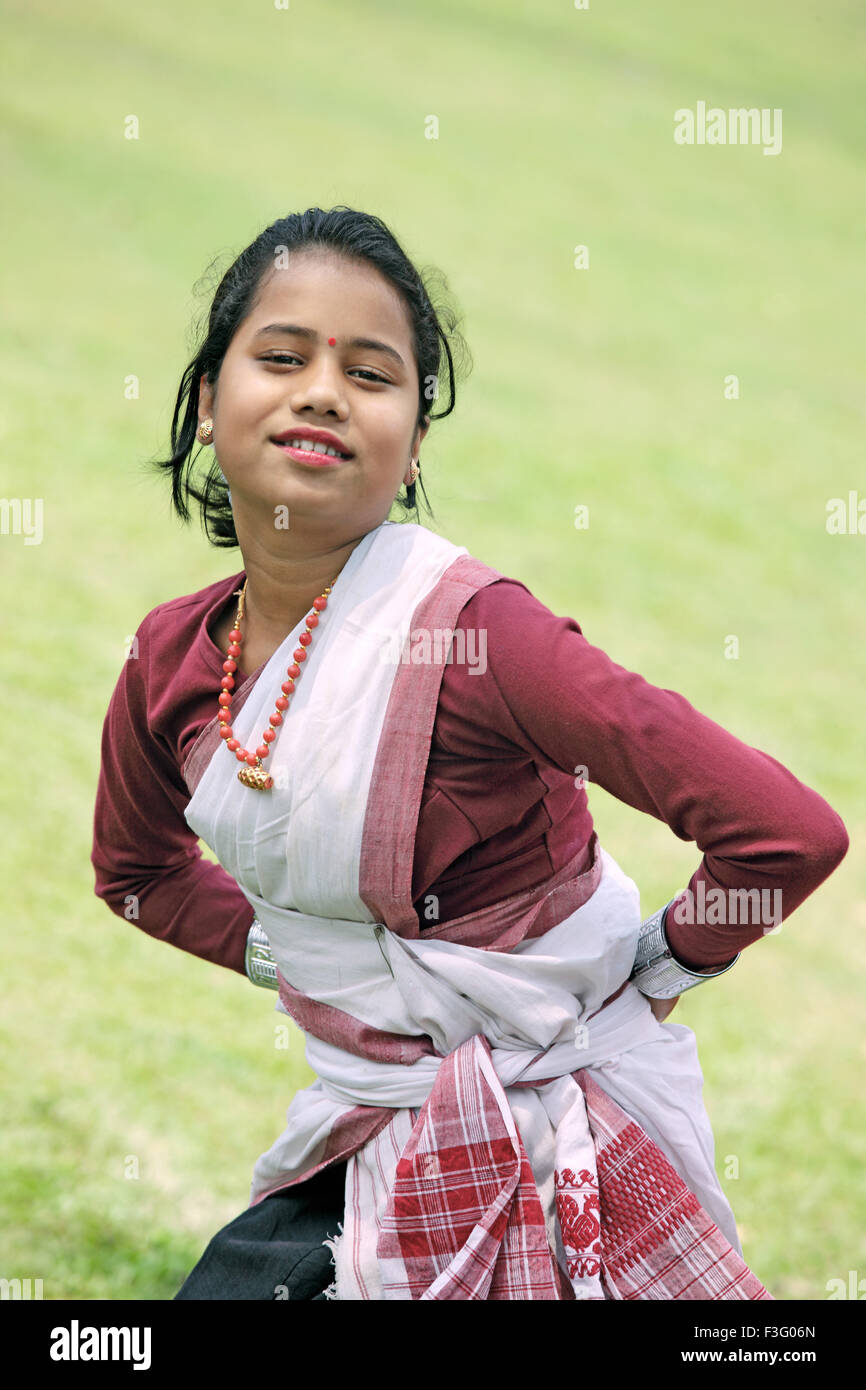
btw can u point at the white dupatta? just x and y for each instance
(296, 852)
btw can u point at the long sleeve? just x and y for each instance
(148, 863)
(551, 693)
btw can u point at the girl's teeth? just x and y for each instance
(316, 448)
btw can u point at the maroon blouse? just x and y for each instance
(502, 807)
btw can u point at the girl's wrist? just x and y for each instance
(657, 972)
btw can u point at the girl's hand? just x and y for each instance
(662, 1007)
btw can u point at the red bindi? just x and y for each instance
(332, 342)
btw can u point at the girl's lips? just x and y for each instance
(308, 455)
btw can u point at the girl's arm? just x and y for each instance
(148, 863)
(548, 692)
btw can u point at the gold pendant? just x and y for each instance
(256, 777)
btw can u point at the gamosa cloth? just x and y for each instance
(517, 1123)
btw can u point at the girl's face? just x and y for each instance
(275, 377)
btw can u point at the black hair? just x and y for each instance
(358, 236)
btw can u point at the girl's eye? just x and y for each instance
(290, 356)
(373, 376)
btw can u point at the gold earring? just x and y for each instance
(414, 470)
(205, 431)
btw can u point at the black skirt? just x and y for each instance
(275, 1249)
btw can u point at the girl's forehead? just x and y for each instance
(333, 296)
(312, 275)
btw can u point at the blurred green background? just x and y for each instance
(603, 386)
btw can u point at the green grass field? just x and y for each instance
(602, 386)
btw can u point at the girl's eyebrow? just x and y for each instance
(298, 331)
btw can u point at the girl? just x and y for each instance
(386, 743)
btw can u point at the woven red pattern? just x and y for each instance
(657, 1240)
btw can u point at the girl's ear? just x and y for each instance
(205, 398)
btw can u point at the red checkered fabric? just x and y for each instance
(464, 1219)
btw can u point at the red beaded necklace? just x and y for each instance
(254, 775)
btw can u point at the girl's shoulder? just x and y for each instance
(508, 607)
(187, 613)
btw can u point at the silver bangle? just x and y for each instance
(259, 962)
(657, 973)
